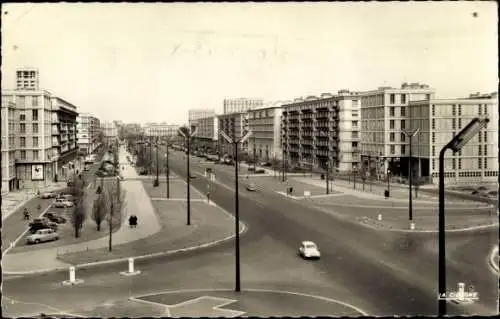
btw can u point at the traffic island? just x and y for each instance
(209, 224)
(177, 190)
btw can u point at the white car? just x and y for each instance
(309, 249)
(63, 203)
(42, 235)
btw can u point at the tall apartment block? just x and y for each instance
(195, 114)
(234, 125)
(161, 130)
(88, 133)
(265, 142)
(207, 133)
(384, 120)
(34, 156)
(322, 131)
(27, 79)
(64, 136)
(109, 131)
(241, 105)
(8, 125)
(439, 120)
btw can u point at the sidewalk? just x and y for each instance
(136, 202)
(12, 201)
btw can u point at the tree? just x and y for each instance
(77, 189)
(114, 199)
(99, 210)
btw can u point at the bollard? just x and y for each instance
(131, 271)
(205, 174)
(461, 291)
(412, 226)
(72, 277)
(379, 217)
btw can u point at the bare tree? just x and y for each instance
(114, 199)
(78, 211)
(99, 210)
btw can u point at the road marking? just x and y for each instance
(36, 314)
(347, 305)
(24, 233)
(212, 304)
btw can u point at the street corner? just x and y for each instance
(12, 308)
(247, 303)
(121, 309)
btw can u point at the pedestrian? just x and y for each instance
(26, 214)
(39, 208)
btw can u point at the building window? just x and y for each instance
(403, 109)
(34, 100)
(392, 111)
(485, 137)
(403, 100)
(35, 141)
(433, 124)
(35, 155)
(433, 150)
(392, 98)
(433, 110)
(479, 136)
(479, 109)
(391, 124)
(453, 164)
(453, 110)
(403, 124)
(453, 124)
(355, 124)
(391, 137)
(427, 96)
(480, 150)
(433, 137)
(485, 110)
(35, 115)
(459, 123)
(459, 109)
(480, 163)
(403, 149)
(35, 128)
(433, 164)
(403, 137)
(459, 163)
(22, 128)
(22, 117)
(22, 141)
(485, 163)
(23, 155)
(393, 149)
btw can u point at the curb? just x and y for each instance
(401, 230)
(491, 260)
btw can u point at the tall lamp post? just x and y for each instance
(236, 202)
(410, 136)
(455, 145)
(167, 168)
(188, 133)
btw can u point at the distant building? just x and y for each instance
(109, 131)
(64, 136)
(88, 133)
(241, 105)
(265, 142)
(384, 118)
(207, 133)
(439, 120)
(233, 125)
(195, 114)
(160, 130)
(27, 79)
(8, 125)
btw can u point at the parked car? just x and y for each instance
(67, 197)
(42, 235)
(265, 164)
(63, 203)
(55, 218)
(46, 195)
(143, 172)
(260, 171)
(41, 223)
(252, 187)
(309, 249)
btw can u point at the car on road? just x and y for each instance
(46, 195)
(63, 203)
(55, 218)
(252, 187)
(42, 235)
(41, 223)
(309, 249)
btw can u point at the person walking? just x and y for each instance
(26, 214)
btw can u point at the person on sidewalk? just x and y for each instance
(132, 221)
(26, 214)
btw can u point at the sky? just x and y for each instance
(152, 62)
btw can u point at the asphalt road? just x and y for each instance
(379, 272)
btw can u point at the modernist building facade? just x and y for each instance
(160, 130)
(109, 131)
(88, 133)
(384, 120)
(64, 136)
(8, 126)
(265, 142)
(27, 79)
(241, 105)
(321, 132)
(196, 114)
(234, 125)
(207, 131)
(439, 120)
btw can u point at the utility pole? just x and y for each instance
(188, 134)
(168, 173)
(236, 204)
(410, 173)
(328, 177)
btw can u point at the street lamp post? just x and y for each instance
(167, 172)
(410, 173)
(455, 145)
(236, 204)
(328, 177)
(188, 134)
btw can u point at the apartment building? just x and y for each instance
(160, 130)
(88, 133)
(234, 125)
(27, 79)
(196, 114)
(8, 125)
(322, 131)
(34, 157)
(64, 136)
(241, 105)
(265, 142)
(207, 133)
(384, 121)
(439, 120)
(109, 131)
